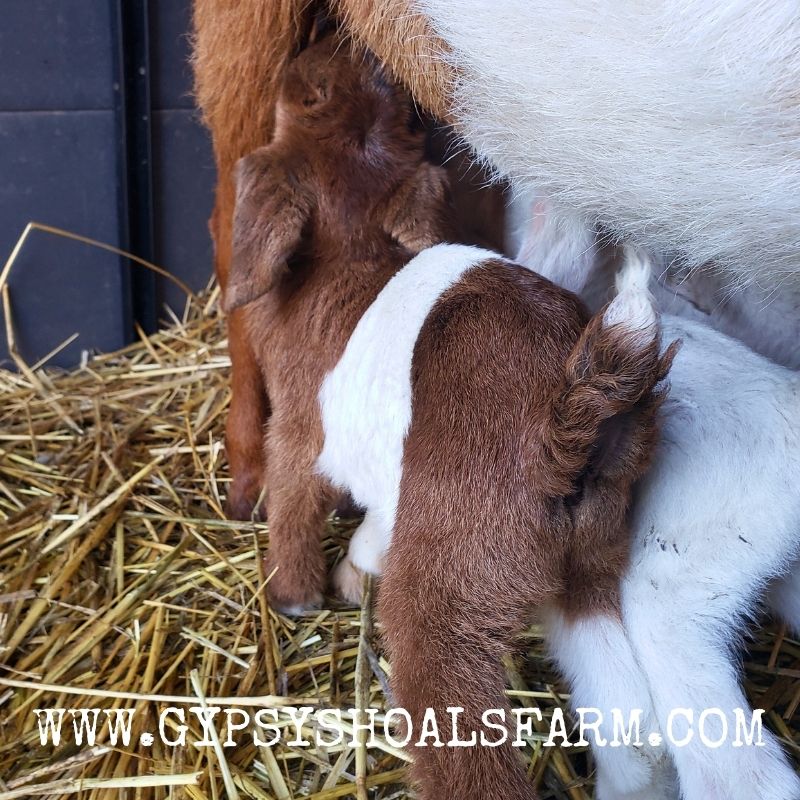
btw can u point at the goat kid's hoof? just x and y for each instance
(242, 504)
(348, 580)
(300, 609)
(295, 606)
(290, 596)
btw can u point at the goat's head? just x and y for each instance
(330, 92)
(345, 170)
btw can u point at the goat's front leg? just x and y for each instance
(298, 502)
(368, 547)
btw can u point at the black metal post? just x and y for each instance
(133, 122)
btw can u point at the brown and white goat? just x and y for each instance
(255, 42)
(491, 429)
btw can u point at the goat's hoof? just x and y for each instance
(292, 594)
(314, 604)
(242, 503)
(296, 605)
(348, 580)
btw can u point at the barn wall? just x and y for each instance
(63, 141)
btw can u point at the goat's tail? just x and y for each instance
(603, 422)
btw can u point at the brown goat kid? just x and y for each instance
(241, 53)
(325, 215)
(491, 430)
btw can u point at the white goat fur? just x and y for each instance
(674, 122)
(716, 527)
(365, 401)
(766, 319)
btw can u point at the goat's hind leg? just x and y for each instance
(594, 654)
(684, 620)
(447, 621)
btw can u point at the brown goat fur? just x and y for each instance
(401, 37)
(530, 422)
(517, 476)
(240, 53)
(326, 214)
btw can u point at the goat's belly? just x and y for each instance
(366, 399)
(675, 123)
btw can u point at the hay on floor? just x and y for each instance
(124, 587)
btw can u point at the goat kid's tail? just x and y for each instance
(603, 418)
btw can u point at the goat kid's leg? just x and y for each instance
(298, 502)
(447, 626)
(683, 625)
(594, 654)
(247, 416)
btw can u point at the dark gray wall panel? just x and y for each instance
(60, 168)
(183, 172)
(169, 55)
(59, 164)
(55, 54)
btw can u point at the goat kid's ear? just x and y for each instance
(270, 212)
(419, 214)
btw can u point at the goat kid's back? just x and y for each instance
(493, 437)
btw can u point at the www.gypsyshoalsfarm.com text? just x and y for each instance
(306, 726)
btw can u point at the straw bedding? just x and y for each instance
(122, 584)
